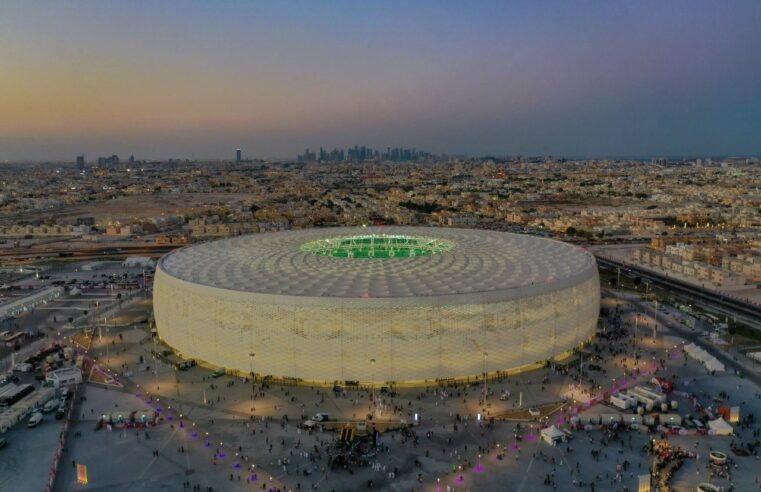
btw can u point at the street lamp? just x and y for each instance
(486, 390)
(372, 382)
(253, 381)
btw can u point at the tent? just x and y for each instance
(552, 434)
(720, 427)
(714, 365)
(698, 353)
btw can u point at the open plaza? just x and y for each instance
(146, 418)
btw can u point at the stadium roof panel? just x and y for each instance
(304, 263)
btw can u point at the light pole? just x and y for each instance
(105, 322)
(636, 325)
(253, 381)
(372, 382)
(177, 383)
(156, 364)
(486, 390)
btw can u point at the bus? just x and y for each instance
(14, 393)
(711, 317)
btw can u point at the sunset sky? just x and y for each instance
(161, 79)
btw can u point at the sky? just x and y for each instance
(170, 78)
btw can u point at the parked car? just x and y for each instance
(218, 372)
(321, 417)
(34, 420)
(51, 405)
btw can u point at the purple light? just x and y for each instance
(194, 434)
(236, 465)
(169, 417)
(221, 455)
(206, 444)
(479, 468)
(459, 480)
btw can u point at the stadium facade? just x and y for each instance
(392, 304)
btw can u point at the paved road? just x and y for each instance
(746, 312)
(692, 336)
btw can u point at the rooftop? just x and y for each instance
(315, 263)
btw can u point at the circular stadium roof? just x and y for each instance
(381, 262)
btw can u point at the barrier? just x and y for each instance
(59, 449)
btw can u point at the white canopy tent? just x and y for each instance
(552, 434)
(719, 427)
(708, 360)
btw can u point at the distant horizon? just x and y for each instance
(123, 158)
(487, 77)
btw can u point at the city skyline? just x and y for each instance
(178, 80)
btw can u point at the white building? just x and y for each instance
(27, 303)
(65, 376)
(138, 262)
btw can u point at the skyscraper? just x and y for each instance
(237, 155)
(80, 162)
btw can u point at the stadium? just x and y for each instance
(377, 305)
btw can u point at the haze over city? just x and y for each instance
(185, 79)
(344, 246)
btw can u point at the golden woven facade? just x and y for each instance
(488, 301)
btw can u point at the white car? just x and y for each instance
(51, 405)
(23, 367)
(34, 420)
(534, 412)
(321, 417)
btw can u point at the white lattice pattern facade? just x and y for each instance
(366, 336)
